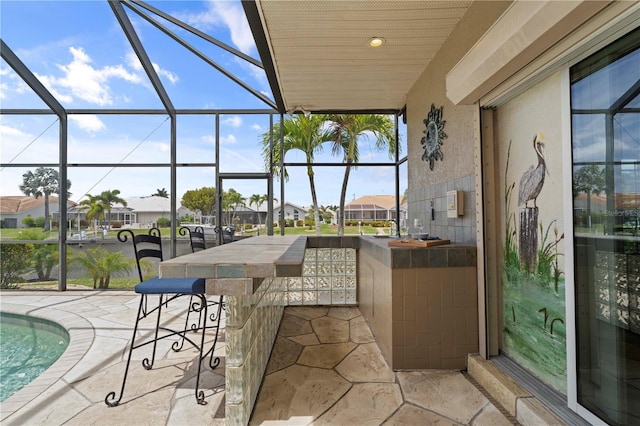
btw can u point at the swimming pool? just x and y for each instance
(30, 345)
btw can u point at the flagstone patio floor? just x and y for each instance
(325, 369)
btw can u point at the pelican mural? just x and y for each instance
(533, 179)
(531, 184)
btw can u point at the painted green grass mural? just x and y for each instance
(534, 332)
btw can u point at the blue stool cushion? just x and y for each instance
(171, 285)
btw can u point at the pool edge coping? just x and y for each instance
(81, 337)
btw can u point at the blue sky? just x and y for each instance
(79, 52)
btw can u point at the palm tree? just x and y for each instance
(346, 129)
(231, 200)
(306, 134)
(95, 206)
(44, 182)
(161, 193)
(589, 179)
(258, 200)
(109, 198)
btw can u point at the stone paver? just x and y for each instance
(362, 390)
(324, 369)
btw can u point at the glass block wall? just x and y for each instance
(328, 278)
(617, 280)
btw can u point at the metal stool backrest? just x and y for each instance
(196, 237)
(144, 245)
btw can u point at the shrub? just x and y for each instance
(309, 221)
(289, 223)
(15, 261)
(299, 223)
(40, 222)
(116, 225)
(29, 222)
(163, 222)
(187, 219)
(84, 223)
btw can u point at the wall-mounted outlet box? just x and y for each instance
(455, 203)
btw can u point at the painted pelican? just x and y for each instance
(533, 179)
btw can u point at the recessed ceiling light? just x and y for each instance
(376, 41)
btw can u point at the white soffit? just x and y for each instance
(321, 55)
(524, 32)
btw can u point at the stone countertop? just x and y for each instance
(256, 257)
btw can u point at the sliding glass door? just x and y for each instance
(605, 107)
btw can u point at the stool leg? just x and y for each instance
(215, 362)
(148, 365)
(198, 392)
(192, 308)
(110, 398)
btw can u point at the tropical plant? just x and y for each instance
(326, 214)
(161, 193)
(101, 264)
(201, 200)
(346, 129)
(306, 133)
(95, 208)
(589, 180)
(258, 200)
(15, 261)
(109, 198)
(44, 182)
(231, 200)
(43, 257)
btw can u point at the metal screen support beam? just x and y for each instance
(141, 53)
(269, 218)
(32, 81)
(397, 170)
(138, 48)
(281, 168)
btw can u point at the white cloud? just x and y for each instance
(50, 83)
(209, 139)
(11, 131)
(227, 14)
(257, 127)
(172, 77)
(229, 139)
(234, 121)
(89, 123)
(84, 81)
(134, 62)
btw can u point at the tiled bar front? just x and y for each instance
(251, 328)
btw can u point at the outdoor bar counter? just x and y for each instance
(420, 303)
(251, 275)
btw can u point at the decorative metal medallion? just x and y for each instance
(433, 136)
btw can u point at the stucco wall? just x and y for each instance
(456, 170)
(533, 286)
